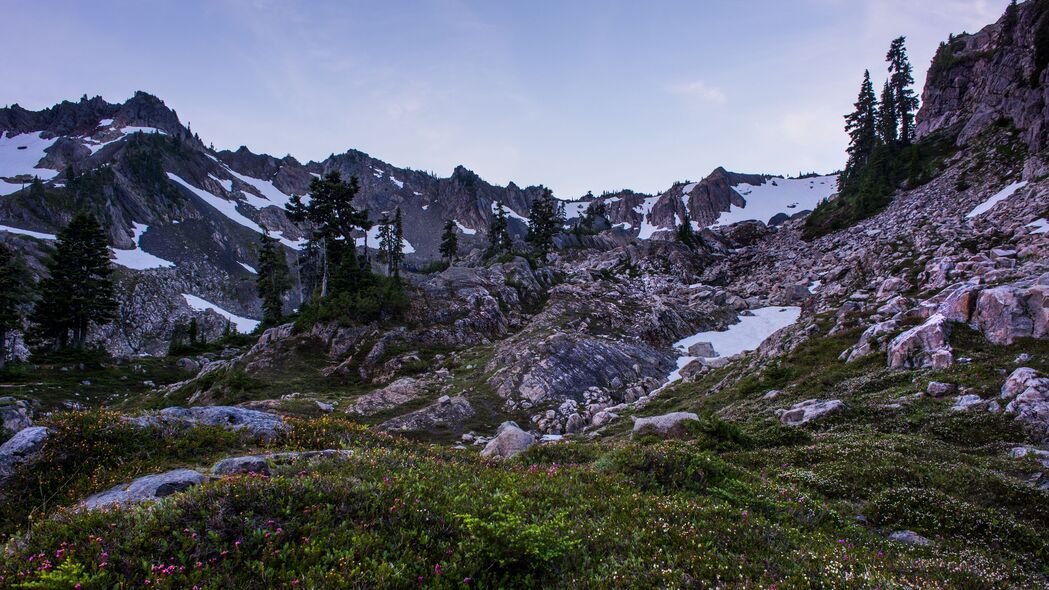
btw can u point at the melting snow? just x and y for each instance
(271, 193)
(465, 229)
(105, 122)
(137, 258)
(687, 189)
(373, 241)
(647, 228)
(94, 146)
(243, 325)
(20, 154)
(229, 209)
(400, 184)
(226, 183)
(996, 198)
(740, 337)
(248, 268)
(1041, 226)
(510, 213)
(778, 195)
(26, 232)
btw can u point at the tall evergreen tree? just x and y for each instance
(545, 220)
(333, 218)
(272, 281)
(385, 240)
(499, 240)
(901, 78)
(395, 252)
(79, 290)
(888, 124)
(449, 242)
(15, 293)
(594, 210)
(861, 125)
(685, 232)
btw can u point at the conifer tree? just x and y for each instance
(594, 210)
(888, 124)
(900, 80)
(385, 240)
(1009, 21)
(15, 293)
(449, 242)
(545, 221)
(333, 218)
(499, 240)
(861, 125)
(391, 243)
(272, 281)
(79, 290)
(685, 233)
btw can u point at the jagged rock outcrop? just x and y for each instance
(1026, 394)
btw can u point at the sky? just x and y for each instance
(577, 95)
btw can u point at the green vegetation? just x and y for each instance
(15, 295)
(273, 280)
(449, 242)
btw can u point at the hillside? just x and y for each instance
(867, 408)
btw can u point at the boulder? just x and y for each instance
(399, 392)
(670, 425)
(702, 349)
(15, 414)
(964, 402)
(261, 425)
(1006, 313)
(23, 447)
(509, 441)
(940, 389)
(808, 410)
(450, 414)
(601, 418)
(923, 346)
(262, 463)
(188, 365)
(890, 287)
(909, 538)
(1028, 393)
(144, 489)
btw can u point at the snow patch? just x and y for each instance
(1041, 226)
(271, 194)
(248, 268)
(243, 325)
(226, 183)
(746, 335)
(647, 228)
(510, 213)
(229, 209)
(465, 229)
(26, 232)
(137, 258)
(20, 154)
(373, 241)
(996, 198)
(778, 195)
(400, 184)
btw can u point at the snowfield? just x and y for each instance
(26, 232)
(229, 209)
(744, 336)
(243, 325)
(465, 229)
(647, 228)
(778, 195)
(19, 155)
(373, 241)
(137, 258)
(996, 198)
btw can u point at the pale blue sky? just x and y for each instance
(578, 95)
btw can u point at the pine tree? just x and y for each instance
(499, 240)
(545, 221)
(594, 210)
(333, 218)
(272, 281)
(15, 293)
(888, 124)
(385, 239)
(685, 233)
(900, 80)
(449, 242)
(861, 125)
(79, 290)
(1009, 22)
(193, 331)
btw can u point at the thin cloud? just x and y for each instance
(701, 91)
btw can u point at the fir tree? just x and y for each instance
(15, 293)
(385, 239)
(888, 124)
(1009, 21)
(594, 210)
(79, 290)
(499, 241)
(861, 125)
(449, 242)
(545, 221)
(391, 243)
(685, 233)
(333, 218)
(193, 331)
(272, 281)
(900, 80)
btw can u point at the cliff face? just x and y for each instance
(996, 75)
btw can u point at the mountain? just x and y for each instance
(868, 408)
(184, 220)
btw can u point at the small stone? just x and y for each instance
(909, 538)
(940, 389)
